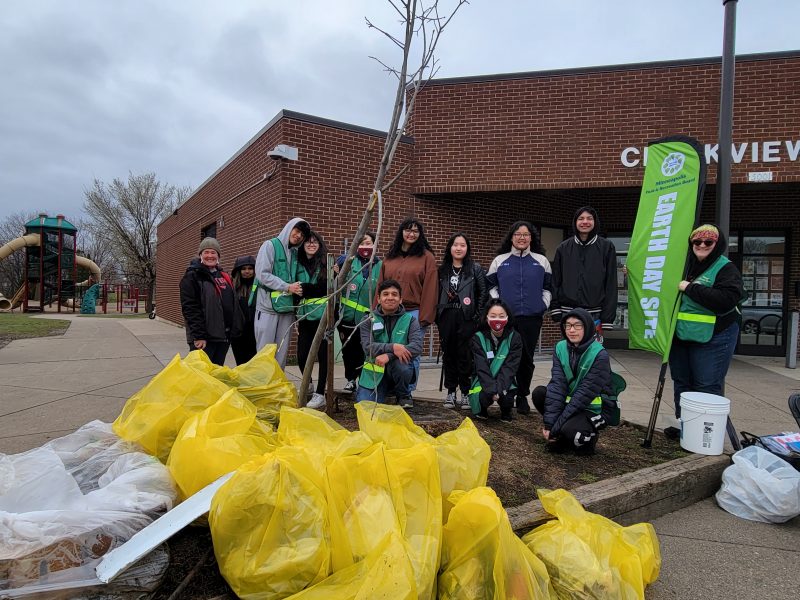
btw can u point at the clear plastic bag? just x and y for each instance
(64, 505)
(760, 486)
(589, 556)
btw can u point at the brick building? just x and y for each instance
(486, 151)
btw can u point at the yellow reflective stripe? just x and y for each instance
(314, 301)
(372, 367)
(682, 316)
(276, 294)
(596, 401)
(355, 305)
(475, 390)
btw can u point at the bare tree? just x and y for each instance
(126, 214)
(97, 247)
(12, 268)
(422, 22)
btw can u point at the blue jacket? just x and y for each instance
(521, 280)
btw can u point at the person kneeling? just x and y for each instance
(497, 350)
(394, 338)
(571, 405)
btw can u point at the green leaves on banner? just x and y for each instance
(671, 192)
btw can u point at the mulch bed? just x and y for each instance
(520, 464)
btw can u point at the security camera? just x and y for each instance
(283, 152)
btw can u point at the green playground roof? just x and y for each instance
(51, 223)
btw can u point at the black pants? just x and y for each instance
(455, 333)
(528, 328)
(244, 347)
(352, 352)
(506, 401)
(217, 351)
(305, 335)
(576, 434)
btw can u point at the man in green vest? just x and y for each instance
(572, 404)
(391, 338)
(276, 272)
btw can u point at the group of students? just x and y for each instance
(489, 321)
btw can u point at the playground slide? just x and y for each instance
(32, 239)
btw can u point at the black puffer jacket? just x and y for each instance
(203, 303)
(472, 291)
(596, 382)
(505, 376)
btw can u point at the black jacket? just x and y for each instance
(596, 382)
(585, 276)
(202, 305)
(505, 376)
(471, 286)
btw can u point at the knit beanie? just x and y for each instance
(209, 243)
(705, 232)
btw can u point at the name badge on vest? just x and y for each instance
(377, 325)
(490, 354)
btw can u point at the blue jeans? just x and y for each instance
(415, 361)
(702, 367)
(397, 378)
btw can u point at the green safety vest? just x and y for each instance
(356, 301)
(695, 322)
(371, 373)
(584, 364)
(494, 367)
(285, 269)
(310, 308)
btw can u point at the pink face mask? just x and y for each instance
(365, 252)
(498, 324)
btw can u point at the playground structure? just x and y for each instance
(51, 265)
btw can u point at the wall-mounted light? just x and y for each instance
(283, 152)
(220, 222)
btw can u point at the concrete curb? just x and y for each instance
(638, 496)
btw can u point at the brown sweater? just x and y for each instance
(420, 281)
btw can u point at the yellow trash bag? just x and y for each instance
(217, 441)
(385, 574)
(153, 416)
(482, 559)
(389, 424)
(463, 458)
(268, 525)
(416, 470)
(309, 428)
(261, 380)
(590, 556)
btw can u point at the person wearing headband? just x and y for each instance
(708, 320)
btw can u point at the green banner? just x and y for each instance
(672, 189)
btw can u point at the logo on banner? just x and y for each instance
(673, 163)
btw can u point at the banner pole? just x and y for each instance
(648, 438)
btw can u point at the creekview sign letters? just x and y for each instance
(772, 151)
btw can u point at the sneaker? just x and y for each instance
(506, 417)
(483, 415)
(350, 386)
(450, 401)
(672, 433)
(406, 402)
(317, 401)
(464, 402)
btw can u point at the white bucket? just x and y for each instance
(703, 420)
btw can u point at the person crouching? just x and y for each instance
(571, 405)
(391, 338)
(497, 352)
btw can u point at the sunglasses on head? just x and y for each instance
(706, 243)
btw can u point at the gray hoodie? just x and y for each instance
(264, 263)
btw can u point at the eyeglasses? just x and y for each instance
(522, 235)
(414, 231)
(312, 242)
(575, 326)
(706, 243)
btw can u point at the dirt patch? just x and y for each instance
(520, 464)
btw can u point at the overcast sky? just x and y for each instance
(95, 88)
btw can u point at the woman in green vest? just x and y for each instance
(355, 304)
(572, 404)
(708, 320)
(497, 352)
(310, 306)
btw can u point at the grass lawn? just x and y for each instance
(15, 326)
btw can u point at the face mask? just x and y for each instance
(365, 252)
(498, 324)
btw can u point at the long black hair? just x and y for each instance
(318, 260)
(417, 248)
(447, 259)
(536, 242)
(484, 325)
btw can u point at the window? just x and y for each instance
(209, 231)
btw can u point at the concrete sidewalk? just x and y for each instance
(51, 386)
